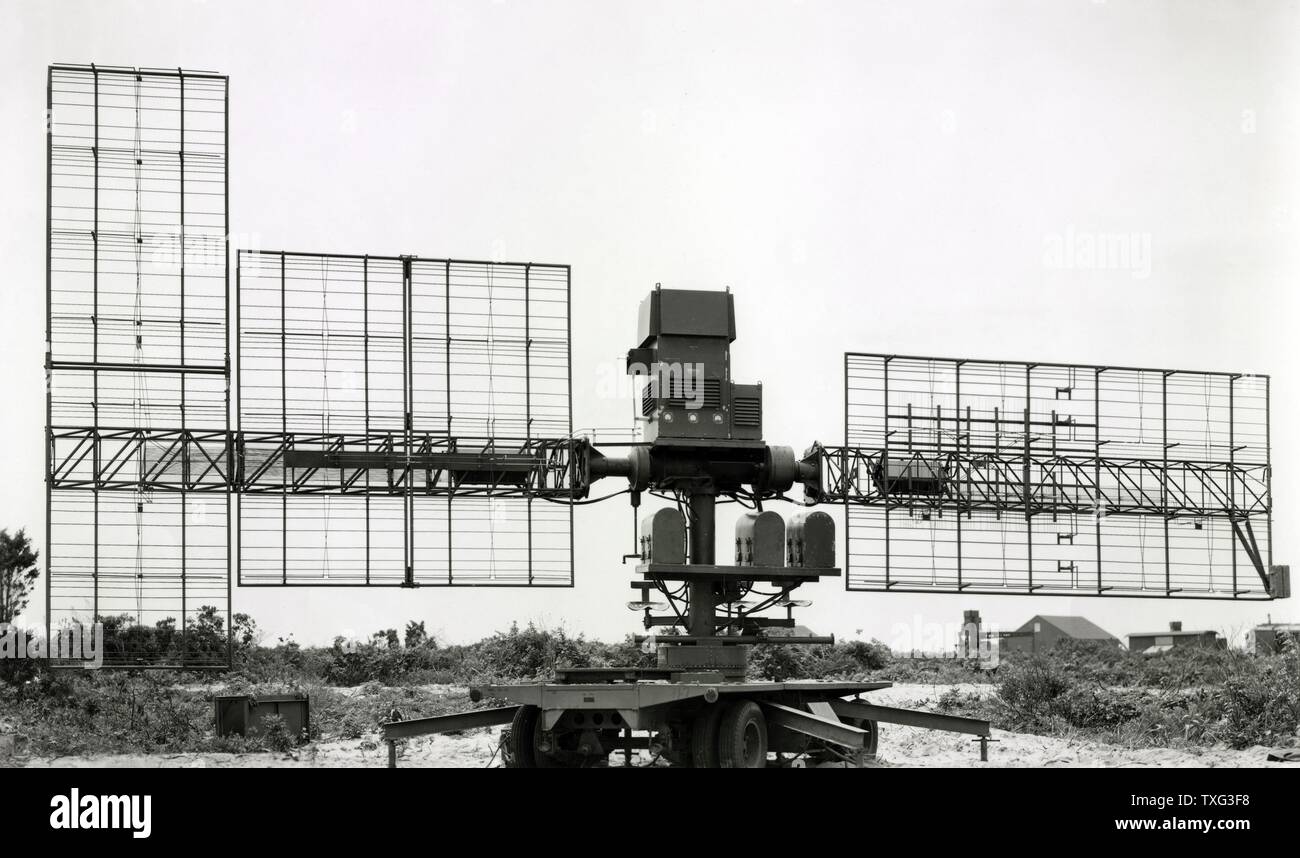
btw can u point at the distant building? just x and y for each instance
(1151, 643)
(1267, 637)
(1042, 633)
(968, 641)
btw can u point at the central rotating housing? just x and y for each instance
(705, 440)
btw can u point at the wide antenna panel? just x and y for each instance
(967, 476)
(403, 421)
(137, 442)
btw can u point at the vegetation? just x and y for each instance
(1195, 696)
(18, 573)
(1182, 697)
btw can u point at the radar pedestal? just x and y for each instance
(706, 441)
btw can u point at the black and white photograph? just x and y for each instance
(564, 384)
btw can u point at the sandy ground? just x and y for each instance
(899, 746)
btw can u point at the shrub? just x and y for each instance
(273, 735)
(534, 653)
(1261, 706)
(1030, 691)
(777, 662)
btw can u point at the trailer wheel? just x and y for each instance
(873, 742)
(518, 749)
(704, 737)
(742, 737)
(561, 749)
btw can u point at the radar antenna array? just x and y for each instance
(406, 421)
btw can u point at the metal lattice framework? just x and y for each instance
(1039, 478)
(403, 421)
(370, 392)
(406, 421)
(138, 503)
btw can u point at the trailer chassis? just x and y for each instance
(587, 715)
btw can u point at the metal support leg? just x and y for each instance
(702, 616)
(984, 747)
(392, 753)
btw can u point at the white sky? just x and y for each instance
(865, 176)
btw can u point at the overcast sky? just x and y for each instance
(885, 177)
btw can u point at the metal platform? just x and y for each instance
(690, 572)
(633, 698)
(802, 716)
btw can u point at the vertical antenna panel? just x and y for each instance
(137, 451)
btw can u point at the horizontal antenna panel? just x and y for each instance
(1033, 478)
(404, 422)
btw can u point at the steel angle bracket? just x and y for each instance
(821, 723)
(448, 723)
(910, 718)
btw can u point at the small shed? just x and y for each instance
(1267, 638)
(1151, 643)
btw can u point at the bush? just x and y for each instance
(1246, 701)
(1261, 706)
(1030, 692)
(68, 712)
(777, 662)
(534, 653)
(273, 734)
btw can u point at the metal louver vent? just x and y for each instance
(712, 393)
(747, 411)
(707, 393)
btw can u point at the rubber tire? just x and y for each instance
(704, 737)
(742, 737)
(874, 745)
(522, 729)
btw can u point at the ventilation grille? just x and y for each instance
(711, 396)
(712, 393)
(747, 411)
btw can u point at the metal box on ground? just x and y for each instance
(238, 714)
(810, 540)
(760, 539)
